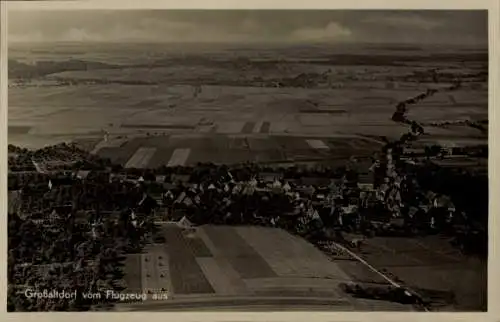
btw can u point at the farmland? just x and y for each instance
(255, 266)
(445, 268)
(188, 150)
(304, 94)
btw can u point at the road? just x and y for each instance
(241, 303)
(373, 269)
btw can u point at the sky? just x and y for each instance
(295, 26)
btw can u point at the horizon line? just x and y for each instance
(262, 42)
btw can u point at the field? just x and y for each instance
(129, 95)
(242, 257)
(141, 158)
(181, 149)
(432, 264)
(148, 271)
(263, 265)
(187, 276)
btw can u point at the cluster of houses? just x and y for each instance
(311, 197)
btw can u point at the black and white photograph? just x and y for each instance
(250, 160)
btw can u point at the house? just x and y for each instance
(366, 186)
(184, 178)
(366, 175)
(293, 182)
(306, 190)
(349, 210)
(117, 177)
(397, 222)
(424, 208)
(414, 151)
(181, 197)
(276, 185)
(168, 186)
(271, 176)
(447, 150)
(176, 214)
(132, 177)
(320, 197)
(188, 201)
(443, 202)
(99, 176)
(362, 165)
(365, 170)
(185, 200)
(162, 214)
(63, 210)
(315, 181)
(160, 178)
(249, 190)
(430, 196)
(185, 223)
(158, 198)
(412, 211)
(147, 204)
(82, 174)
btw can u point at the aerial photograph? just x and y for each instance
(247, 160)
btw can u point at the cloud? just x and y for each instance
(245, 26)
(143, 29)
(33, 36)
(78, 34)
(413, 21)
(332, 31)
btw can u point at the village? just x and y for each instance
(66, 189)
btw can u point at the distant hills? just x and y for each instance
(42, 68)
